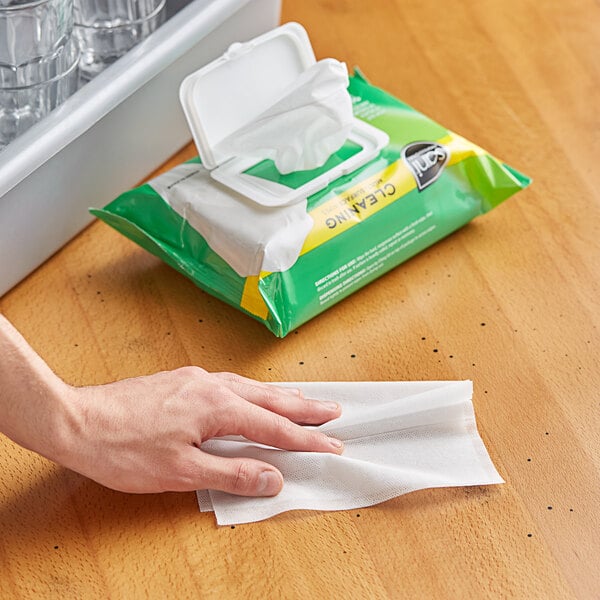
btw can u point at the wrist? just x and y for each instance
(38, 410)
(46, 419)
(64, 426)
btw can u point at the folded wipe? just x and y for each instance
(399, 437)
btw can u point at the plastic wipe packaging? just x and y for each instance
(398, 437)
(285, 246)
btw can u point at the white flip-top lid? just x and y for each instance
(233, 90)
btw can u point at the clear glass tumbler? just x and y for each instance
(33, 29)
(107, 29)
(38, 61)
(24, 100)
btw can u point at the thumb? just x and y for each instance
(240, 476)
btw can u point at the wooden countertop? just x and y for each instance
(510, 301)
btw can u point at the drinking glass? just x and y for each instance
(38, 62)
(31, 30)
(107, 29)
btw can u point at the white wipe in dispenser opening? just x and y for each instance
(269, 99)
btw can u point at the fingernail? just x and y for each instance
(269, 484)
(336, 443)
(334, 406)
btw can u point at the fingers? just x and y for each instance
(271, 429)
(276, 426)
(240, 476)
(287, 402)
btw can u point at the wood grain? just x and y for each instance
(510, 301)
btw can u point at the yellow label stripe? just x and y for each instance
(251, 300)
(459, 148)
(344, 211)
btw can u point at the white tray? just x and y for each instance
(111, 133)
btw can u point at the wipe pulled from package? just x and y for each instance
(269, 100)
(305, 127)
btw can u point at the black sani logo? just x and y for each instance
(426, 161)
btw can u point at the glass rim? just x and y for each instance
(149, 16)
(24, 5)
(57, 77)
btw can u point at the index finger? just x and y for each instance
(285, 401)
(266, 427)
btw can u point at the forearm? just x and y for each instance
(34, 411)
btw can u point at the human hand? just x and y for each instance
(144, 434)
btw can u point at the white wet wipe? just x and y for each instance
(304, 127)
(250, 237)
(399, 437)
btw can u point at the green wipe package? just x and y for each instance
(424, 184)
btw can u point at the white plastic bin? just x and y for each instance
(110, 134)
